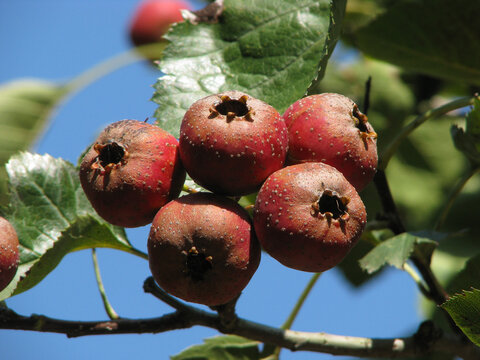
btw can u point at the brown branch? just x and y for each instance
(186, 316)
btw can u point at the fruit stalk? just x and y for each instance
(296, 309)
(112, 314)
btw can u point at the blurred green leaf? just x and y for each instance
(24, 109)
(52, 217)
(229, 347)
(396, 251)
(464, 308)
(449, 264)
(473, 121)
(467, 278)
(420, 190)
(270, 49)
(361, 12)
(389, 95)
(468, 140)
(436, 37)
(350, 267)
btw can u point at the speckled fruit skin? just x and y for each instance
(9, 253)
(152, 18)
(128, 189)
(202, 248)
(231, 142)
(330, 128)
(299, 229)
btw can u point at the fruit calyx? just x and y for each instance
(197, 264)
(232, 108)
(361, 120)
(331, 206)
(110, 155)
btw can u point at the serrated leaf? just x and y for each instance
(52, 217)
(446, 48)
(229, 347)
(270, 49)
(396, 251)
(464, 309)
(24, 108)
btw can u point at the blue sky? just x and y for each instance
(56, 41)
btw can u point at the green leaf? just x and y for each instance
(228, 347)
(270, 49)
(435, 37)
(396, 251)
(464, 309)
(24, 109)
(52, 217)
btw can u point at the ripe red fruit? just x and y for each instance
(308, 216)
(9, 253)
(231, 142)
(202, 248)
(131, 171)
(152, 19)
(330, 128)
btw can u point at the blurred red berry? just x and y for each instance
(152, 19)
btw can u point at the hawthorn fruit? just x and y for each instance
(308, 216)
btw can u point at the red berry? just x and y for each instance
(330, 128)
(131, 171)
(9, 253)
(231, 142)
(202, 248)
(152, 19)
(308, 216)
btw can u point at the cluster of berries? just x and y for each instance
(307, 166)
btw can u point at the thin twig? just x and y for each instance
(366, 97)
(417, 278)
(389, 208)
